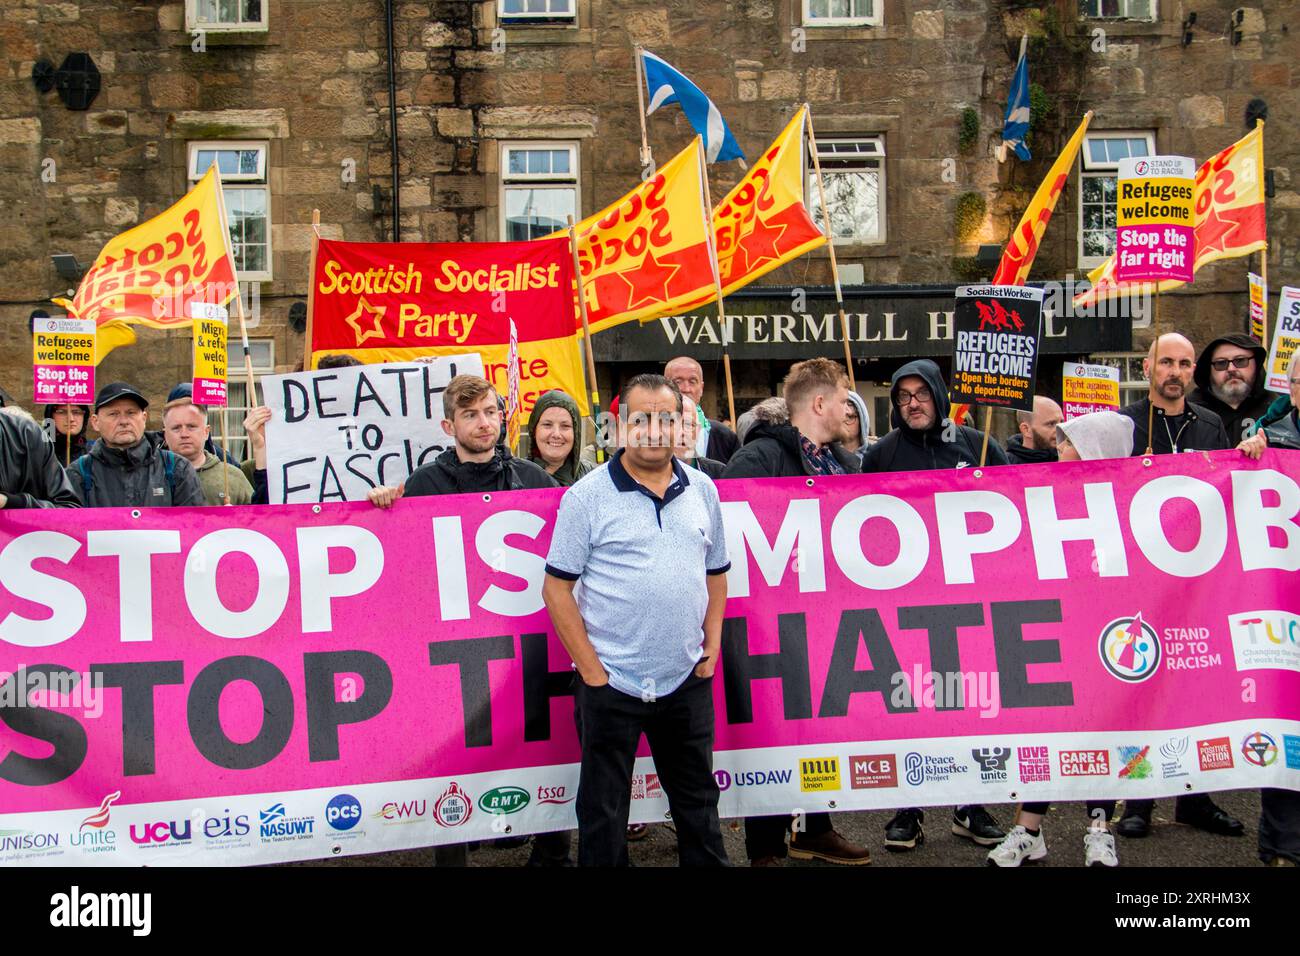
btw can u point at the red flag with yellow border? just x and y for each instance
(647, 254)
(152, 274)
(1229, 198)
(400, 302)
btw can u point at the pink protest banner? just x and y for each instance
(286, 682)
(63, 361)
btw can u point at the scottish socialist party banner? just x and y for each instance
(400, 302)
(230, 686)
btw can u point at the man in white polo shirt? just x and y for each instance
(636, 588)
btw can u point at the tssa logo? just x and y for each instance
(554, 795)
(159, 833)
(343, 812)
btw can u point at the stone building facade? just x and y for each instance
(914, 90)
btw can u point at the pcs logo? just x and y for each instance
(343, 812)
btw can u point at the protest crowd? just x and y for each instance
(642, 497)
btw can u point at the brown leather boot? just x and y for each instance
(831, 847)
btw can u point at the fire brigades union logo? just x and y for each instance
(1130, 649)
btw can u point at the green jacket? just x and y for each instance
(574, 467)
(213, 482)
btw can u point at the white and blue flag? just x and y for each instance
(664, 85)
(1016, 124)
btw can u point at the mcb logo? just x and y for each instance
(343, 812)
(1130, 649)
(1259, 749)
(873, 770)
(819, 773)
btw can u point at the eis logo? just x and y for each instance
(343, 812)
(819, 773)
(226, 827)
(1130, 649)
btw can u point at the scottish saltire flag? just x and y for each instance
(1016, 124)
(665, 85)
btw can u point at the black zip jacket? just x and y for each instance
(774, 451)
(30, 474)
(1198, 430)
(448, 475)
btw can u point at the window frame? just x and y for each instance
(1090, 169)
(535, 19)
(1154, 17)
(544, 181)
(1129, 363)
(882, 192)
(240, 182)
(875, 19)
(193, 23)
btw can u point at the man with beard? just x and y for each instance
(1036, 443)
(1176, 424)
(1229, 380)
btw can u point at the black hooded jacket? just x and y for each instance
(945, 444)
(448, 475)
(1236, 421)
(30, 475)
(774, 451)
(1018, 454)
(1197, 429)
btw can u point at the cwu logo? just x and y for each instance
(1130, 649)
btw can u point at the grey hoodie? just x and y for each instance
(864, 423)
(1099, 435)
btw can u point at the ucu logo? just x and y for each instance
(169, 832)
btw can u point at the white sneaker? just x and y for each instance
(1018, 846)
(1099, 848)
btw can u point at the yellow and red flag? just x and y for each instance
(1229, 198)
(763, 223)
(1022, 244)
(647, 254)
(157, 272)
(400, 302)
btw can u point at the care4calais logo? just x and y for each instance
(1130, 649)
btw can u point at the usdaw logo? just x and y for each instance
(1130, 649)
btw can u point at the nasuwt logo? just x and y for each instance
(1130, 649)
(1259, 749)
(275, 824)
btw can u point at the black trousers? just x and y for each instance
(679, 729)
(1279, 825)
(1188, 801)
(765, 836)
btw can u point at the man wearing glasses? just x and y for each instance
(1229, 380)
(925, 439)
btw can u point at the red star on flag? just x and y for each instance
(367, 315)
(760, 243)
(649, 281)
(1213, 233)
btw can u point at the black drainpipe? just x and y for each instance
(392, 125)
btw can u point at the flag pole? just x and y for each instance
(646, 157)
(988, 424)
(239, 299)
(67, 440)
(1263, 253)
(1155, 365)
(225, 445)
(592, 386)
(717, 281)
(830, 244)
(311, 280)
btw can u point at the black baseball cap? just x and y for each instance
(115, 390)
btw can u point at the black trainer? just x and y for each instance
(904, 831)
(977, 825)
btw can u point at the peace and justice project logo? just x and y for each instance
(1130, 649)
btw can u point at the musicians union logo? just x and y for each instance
(1130, 649)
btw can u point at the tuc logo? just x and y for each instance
(1130, 649)
(343, 812)
(819, 773)
(1085, 763)
(870, 771)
